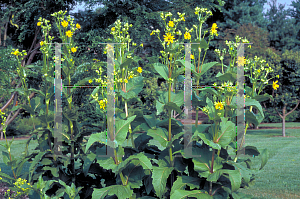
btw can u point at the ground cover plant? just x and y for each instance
(144, 165)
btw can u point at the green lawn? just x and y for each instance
(278, 179)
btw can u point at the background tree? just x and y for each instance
(294, 12)
(283, 31)
(286, 97)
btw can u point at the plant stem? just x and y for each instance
(212, 170)
(117, 162)
(170, 133)
(197, 112)
(130, 131)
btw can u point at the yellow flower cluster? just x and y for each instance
(18, 185)
(102, 103)
(17, 53)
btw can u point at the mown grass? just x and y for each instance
(279, 179)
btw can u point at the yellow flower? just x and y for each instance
(139, 70)
(275, 86)
(142, 45)
(64, 23)
(90, 81)
(214, 29)
(258, 70)
(171, 23)
(277, 76)
(126, 81)
(69, 33)
(169, 38)
(113, 29)
(187, 35)
(192, 56)
(78, 26)
(196, 12)
(219, 106)
(39, 23)
(182, 18)
(152, 33)
(16, 52)
(241, 60)
(42, 43)
(73, 49)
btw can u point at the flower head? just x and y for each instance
(39, 23)
(187, 35)
(275, 86)
(192, 56)
(64, 23)
(214, 29)
(90, 81)
(171, 23)
(16, 52)
(73, 49)
(169, 38)
(241, 60)
(139, 70)
(69, 33)
(78, 26)
(219, 105)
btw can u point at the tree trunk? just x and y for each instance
(5, 34)
(283, 127)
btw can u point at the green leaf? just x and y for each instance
(228, 132)
(264, 158)
(207, 139)
(234, 177)
(20, 166)
(205, 67)
(262, 98)
(182, 181)
(159, 177)
(172, 106)
(228, 76)
(151, 120)
(119, 190)
(53, 170)
(250, 118)
(122, 127)
(133, 88)
(253, 102)
(182, 194)
(87, 163)
(134, 174)
(162, 70)
(127, 62)
(97, 137)
(159, 134)
(6, 158)
(35, 162)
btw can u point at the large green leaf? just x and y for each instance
(234, 177)
(182, 181)
(228, 132)
(134, 175)
(34, 163)
(242, 168)
(133, 88)
(119, 190)
(159, 177)
(228, 76)
(151, 120)
(262, 98)
(87, 163)
(172, 106)
(97, 137)
(122, 127)
(207, 139)
(137, 159)
(159, 134)
(255, 103)
(205, 67)
(182, 194)
(250, 118)
(162, 70)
